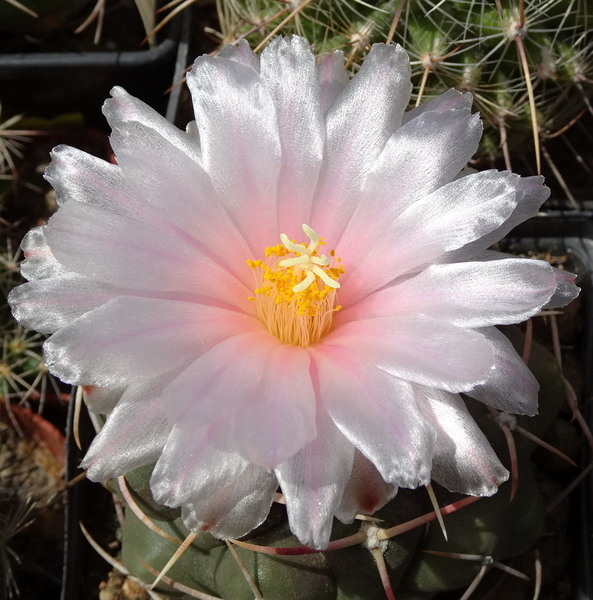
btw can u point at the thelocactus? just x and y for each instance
(292, 292)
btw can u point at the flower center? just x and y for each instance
(296, 295)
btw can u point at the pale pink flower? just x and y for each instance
(142, 277)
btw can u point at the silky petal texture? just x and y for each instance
(123, 108)
(388, 190)
(510, 385)
(288, 70)
(102, 400)
(333, 78)
(39, 263)
(177, 191)
(463, 460)
(366, 491)
(280, 420)
(219, 492)
(224, 379)
(79, 177)
(133, 436)
(238, 127)
(357, 131)
(378, 413)
(449, 100)
(47, 305)
(530, 195)
(242, 54)
(450, 217)
(313, 482)
(472, 294)
(566, 290)
(92, 241)
(418, 348)
(128, 339)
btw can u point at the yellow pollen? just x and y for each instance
(296, 296)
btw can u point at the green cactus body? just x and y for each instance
(493, 527)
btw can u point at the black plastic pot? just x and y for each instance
(47, 84)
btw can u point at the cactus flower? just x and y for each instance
(292, 292)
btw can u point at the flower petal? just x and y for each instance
(469, 294)
(437, 145)
(463, 460)
(378, 413)
(530, 195)
(129, 339)
(133, 436)
(418, 348)
(366, 491)
(102, 400)
(80, 177)
(125, 108)
(39, 263)
(280, 420)
(453, 215)
(115, 250)
(174, 189)
(357, 131)
(566, 290)
(447, 101)
(333, 78)
(288, 70)
(236, 117)
(47, 305)
(510, 385)
(222, 380)
(314, 480)
(219, 492)
(241, 53)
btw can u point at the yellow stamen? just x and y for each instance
(296, 296)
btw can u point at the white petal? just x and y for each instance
(378, 413)
(357, 131)
(172, 188)
(288, 70)
(123, 108)
(418, 348)
(366, 491)
(238, 127)
(333, 78)
(510, 386)
(566, 290)
(129, 339)
(46, 305)
(102, 400)
(81, 177)
(133, 436)
(463, 460)
(472, 294)
(313, 482)
(39, 263)
(280, 420)
(219, 492)
(450, 217)
(530, 195)
(112, 249)
(221, 381)
(242, 54)
(449, 100)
